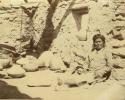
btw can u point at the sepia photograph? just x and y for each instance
(62, 49)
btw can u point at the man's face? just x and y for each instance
(98, 44)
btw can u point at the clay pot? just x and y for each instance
(30, 67)
(5, 62)
(16, 71)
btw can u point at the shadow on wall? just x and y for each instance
(49, 32)
(78, 20)
(11, 92)
(47, 35)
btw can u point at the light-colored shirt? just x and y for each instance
(98, 60)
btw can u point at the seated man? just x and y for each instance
(98, 64)
(99, 59)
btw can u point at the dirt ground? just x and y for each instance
(19, 89)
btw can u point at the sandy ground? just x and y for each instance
(84, 92)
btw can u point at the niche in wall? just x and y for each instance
(81, 17)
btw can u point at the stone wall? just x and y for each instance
(65, 27)
(21, 21)
(76, 26)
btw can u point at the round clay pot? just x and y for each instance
(16, 71)
(5, 62)
(30, 67)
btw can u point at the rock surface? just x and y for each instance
(64, 27)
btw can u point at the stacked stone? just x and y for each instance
(15, 23)
(105, 17)
(69, 27)
(118, 39)
(68, 45)
(10, 24)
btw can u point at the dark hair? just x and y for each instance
(100, 36)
